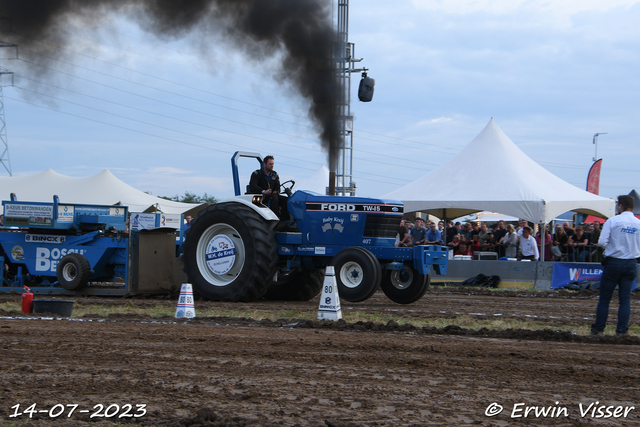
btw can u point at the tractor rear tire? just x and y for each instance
(298, 285)
(230, 253)
(73, 272)
(358, 273)
(405, 286)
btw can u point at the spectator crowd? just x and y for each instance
(564, 244)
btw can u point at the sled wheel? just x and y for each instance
(358, 274)
(230, 253)
(73, 272)
(296, 285)
(405, 286)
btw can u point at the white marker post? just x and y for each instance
(330, 301)
(185, 302)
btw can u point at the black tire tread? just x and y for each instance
(264, 253)
(83, 271)
(407, 296)
(299, 285)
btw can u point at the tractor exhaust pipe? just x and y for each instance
(332, 183)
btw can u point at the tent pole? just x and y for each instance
(543, 237)
(444, 238)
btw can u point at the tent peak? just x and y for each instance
(520, 188)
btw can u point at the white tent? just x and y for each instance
(100, 189)
(495, 217)
(318, 182)
(493, 174)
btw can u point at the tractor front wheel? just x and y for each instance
(405, 286)
(358, 274)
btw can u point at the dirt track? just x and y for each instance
(230, 372)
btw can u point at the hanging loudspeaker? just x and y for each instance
(365, 91)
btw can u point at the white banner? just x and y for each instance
(143, 221)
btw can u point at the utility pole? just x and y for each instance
(345, 62)
(4, 142)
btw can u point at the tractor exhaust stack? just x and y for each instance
(332, 184)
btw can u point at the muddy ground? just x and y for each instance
(243, 372)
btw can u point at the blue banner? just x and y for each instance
(567, 272)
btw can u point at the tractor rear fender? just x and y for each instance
(262, 210)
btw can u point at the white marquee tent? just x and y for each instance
(99, 189)
(492, 174)
(318, 182)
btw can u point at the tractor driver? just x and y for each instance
(266, 181)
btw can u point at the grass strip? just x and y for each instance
(497, 323)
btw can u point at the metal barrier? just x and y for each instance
(588, 253)
(513, 274)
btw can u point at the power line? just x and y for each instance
(244, 112)
(184, 96)
(167, 116)
(218, 105)
(148, 75)
(199, 112)
(94, 41)
(235, 146)
(409, 140)
(185, 121)
(146, 86)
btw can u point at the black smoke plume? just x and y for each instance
(298, 31)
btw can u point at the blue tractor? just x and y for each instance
(232, 253)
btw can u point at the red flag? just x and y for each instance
(593, 179)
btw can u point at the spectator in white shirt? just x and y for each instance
(528, 245)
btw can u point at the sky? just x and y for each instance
(165, 116)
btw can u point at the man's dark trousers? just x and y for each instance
(617, 272)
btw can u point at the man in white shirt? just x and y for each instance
(620, 238)
(528, 245)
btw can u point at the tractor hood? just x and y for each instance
(348, 221)
(313, 202)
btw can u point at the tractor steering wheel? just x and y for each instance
(285, 189)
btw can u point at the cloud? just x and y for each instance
(562, 8)
(432, 121)
(167, 171)
(172, 185)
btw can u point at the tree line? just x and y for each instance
(190, 197)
